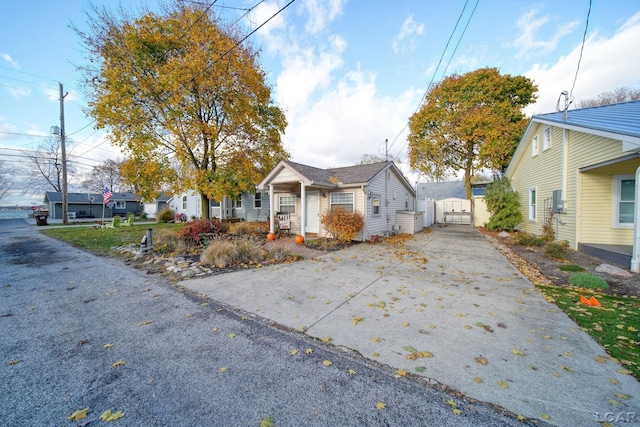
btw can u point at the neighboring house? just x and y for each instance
(153, 207)
(379, 191)
(582, 166)
(89, 205)
(249, 206)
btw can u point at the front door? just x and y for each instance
(313, 212)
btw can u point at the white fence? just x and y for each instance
(428, 206)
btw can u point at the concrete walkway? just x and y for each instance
(447, 306)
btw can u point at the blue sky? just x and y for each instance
(348, 74)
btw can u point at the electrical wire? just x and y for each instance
(584, 37)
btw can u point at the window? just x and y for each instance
(534, 146)
(237, 204)
(406, 201)
(257, 200)
(375, 204)
(184, 203)
(342, 199)
(546, 139)
(532, 204)
(287, 204)
(121, 204)
(214, 204)
(624, 188)
(477, 191)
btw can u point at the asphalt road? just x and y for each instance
(80, 331)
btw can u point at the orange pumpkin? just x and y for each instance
(271, 236)
(299, 239)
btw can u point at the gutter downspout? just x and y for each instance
(635, 259)
(303, 213)
(271, 199)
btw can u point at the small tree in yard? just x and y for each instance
(504, 205)
(342, 224)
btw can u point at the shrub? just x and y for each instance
(193, 231)
(527, 239)
(248, 251)
(588, 280)
(556, 250)
(570, 267)
(280, 254)
(165, 241)
(504, 205)
(242, 228)
(342, 224)
(220, 253)
(166, 215)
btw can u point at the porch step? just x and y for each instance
(615, 254)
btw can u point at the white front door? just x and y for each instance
(313, 212)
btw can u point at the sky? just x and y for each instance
(347, 73)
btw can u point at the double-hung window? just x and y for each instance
(534, 146)
(184, 203)
(546, 138)
(257, 200)
(532, 203)
(344, 200)
(121, 204)
(375, 205)
(624, 188)
(287, 204)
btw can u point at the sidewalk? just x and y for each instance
(449, 307)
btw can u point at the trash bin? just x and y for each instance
(41, 219)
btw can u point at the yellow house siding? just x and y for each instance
(481, 215)
(540, 171)
(597, 205)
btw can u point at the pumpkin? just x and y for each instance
(271, 236)
(299, 239)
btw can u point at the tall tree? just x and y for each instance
(185, 99)
(106, 175)
(621, 94)
(469, 122)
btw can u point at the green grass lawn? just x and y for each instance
(101, 241)
(615, 324)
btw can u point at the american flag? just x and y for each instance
(107, 195)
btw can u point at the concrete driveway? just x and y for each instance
(447, 306)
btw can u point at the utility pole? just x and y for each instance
(65, 196)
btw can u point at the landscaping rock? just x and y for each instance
(503, 234)
(613, 270)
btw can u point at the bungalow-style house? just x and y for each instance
(89, 205)
(578, 171)
(152, 207)
(248, 206)
(379, 191)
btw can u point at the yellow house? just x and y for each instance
(577, 171)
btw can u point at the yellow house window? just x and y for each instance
(546, 138)
(532, 204)
(534, 146)
(624, 189)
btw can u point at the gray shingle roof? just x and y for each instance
(622, 118)
(441, 190)
(358, 174)
(80, 198)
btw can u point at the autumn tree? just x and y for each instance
(6, 181)
(106, 175)
(469, 122)
(621, 94)
(185, 98)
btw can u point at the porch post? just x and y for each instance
(303, 210)
(272, 228)
(635, 259)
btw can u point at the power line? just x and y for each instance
(438, 66)
(584, 37)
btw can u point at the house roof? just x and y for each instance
(441, 190)
(83, 198)
(616, 121)
(335, 177)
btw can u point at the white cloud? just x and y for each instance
(405, 41)
(10, 60)
(321, 13)
(18, 92)
(607, 63)
(529, 42)
(263, 12)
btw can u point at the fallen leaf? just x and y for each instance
(517, 352)
(267, 422)
(622, 395)
(452, 403)
(376, 354)
(223, 369)
(79, 414)
(109, 416)
(613, 402)
(405, 324)
(326, 339)
(457, 411)
(376, 339)
(294, 351)
(351, 371)
(381, 405)
(420, 369)
(614, 381)
(357, 320)
(233, 335)
(309, 351)
(411, 349)
(503, 384)
(481, 360)
(146, 322)
(214, 329)
(327, 363)
(522, 418)
(478, 380)
(401, 372)
(14, 362)
(546, 416)
(109, 345)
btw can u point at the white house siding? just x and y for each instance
(285, 175)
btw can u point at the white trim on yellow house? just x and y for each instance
(587, 149)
